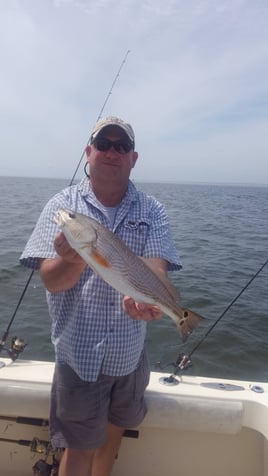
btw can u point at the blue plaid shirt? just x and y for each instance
(90, 330)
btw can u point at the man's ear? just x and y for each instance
(88, 150)
(134, 158)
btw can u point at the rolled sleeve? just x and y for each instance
(159, 242)
(41, 242)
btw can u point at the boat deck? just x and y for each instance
(204, 426)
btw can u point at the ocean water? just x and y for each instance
(221, 232)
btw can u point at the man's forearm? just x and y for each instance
(59, 275)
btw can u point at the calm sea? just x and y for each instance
(221, 233)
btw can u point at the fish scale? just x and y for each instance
(116, 263)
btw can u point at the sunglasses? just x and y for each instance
(121, 146)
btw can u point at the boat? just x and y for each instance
(194, 426)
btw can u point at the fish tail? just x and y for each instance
(186, 321)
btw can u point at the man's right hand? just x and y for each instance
(65, 251)
(62, 273)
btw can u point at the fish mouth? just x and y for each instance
(57, 217)
(61, 215)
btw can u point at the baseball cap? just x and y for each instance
(113, 121)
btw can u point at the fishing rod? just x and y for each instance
(18, 345)
(183, 361)
(101, 111)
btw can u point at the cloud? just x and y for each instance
(194, 85)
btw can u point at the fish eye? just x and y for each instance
(71, 215)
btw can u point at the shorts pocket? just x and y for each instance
(76, 400)
(142, 376)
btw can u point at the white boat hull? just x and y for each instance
(203, 426)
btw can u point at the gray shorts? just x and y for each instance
(80, 410)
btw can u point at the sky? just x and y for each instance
(190, 76)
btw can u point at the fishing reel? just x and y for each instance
(17, 347)
(182, 363)
(43, 467)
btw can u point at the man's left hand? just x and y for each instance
(141, 311)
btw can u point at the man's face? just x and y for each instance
(113, 164)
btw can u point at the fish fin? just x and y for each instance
(100, 259)
(188, 321)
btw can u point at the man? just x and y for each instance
(101, 368)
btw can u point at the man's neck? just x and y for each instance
(109, 196)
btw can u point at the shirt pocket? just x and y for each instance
(134, 233)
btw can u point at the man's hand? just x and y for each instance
(61, 273)
(65, 251)
(141, 311)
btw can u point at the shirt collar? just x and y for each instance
(88, 194)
